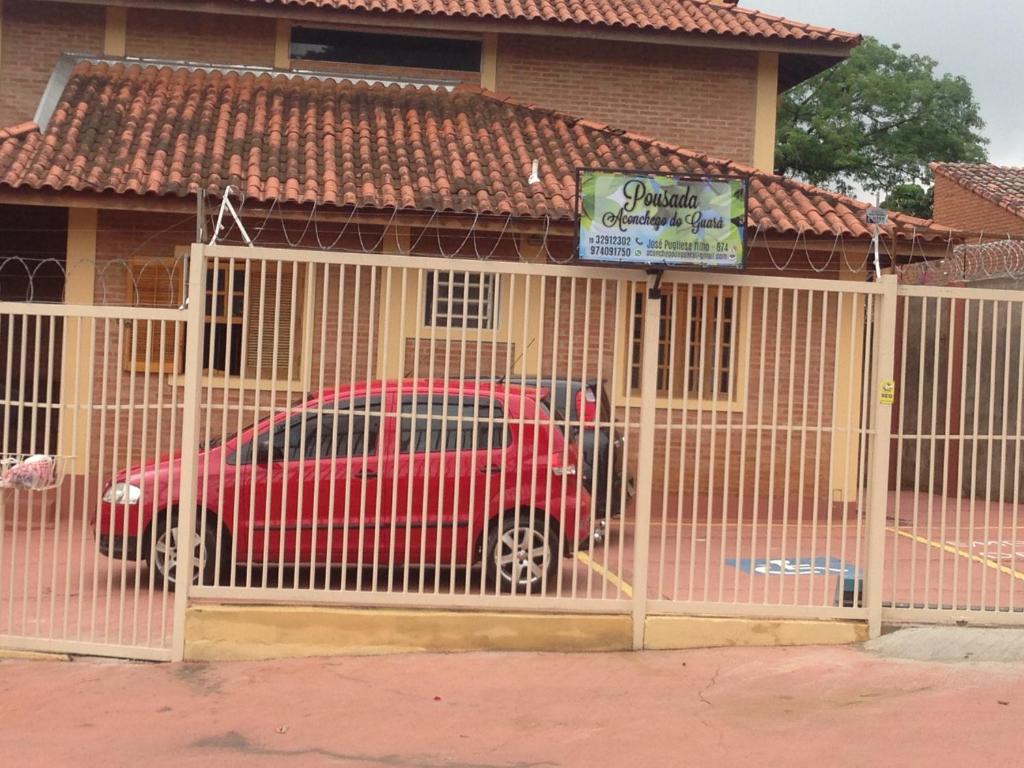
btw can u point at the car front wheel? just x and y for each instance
(163, 555)
(522, 556)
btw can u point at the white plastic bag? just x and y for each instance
(32, 474)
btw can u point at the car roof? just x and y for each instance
(429, 386)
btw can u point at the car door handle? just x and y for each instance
(368, 474)
(493, 469)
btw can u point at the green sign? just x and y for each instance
(662, 220)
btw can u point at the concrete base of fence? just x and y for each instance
(8, 654)
(232, 632)
(665, 633)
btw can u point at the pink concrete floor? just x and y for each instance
(729, 707)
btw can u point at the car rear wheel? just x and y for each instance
(162, 556)
(522, 556)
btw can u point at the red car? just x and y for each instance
(410, 472)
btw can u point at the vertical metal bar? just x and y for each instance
(756, 495)
(975, 439)
(645, 469)
(788, 431)
(1004, 446)
(933, 428)
(673, 339)
(76, 501)
(189, 434)
(748, 340)
(885, 357)
(895, 569)
(1018, 445)
(801, 455)
(819, 429)
(773, 436)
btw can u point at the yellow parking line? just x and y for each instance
(600, 570)
(987, 562)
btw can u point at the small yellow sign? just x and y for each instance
(887, 395)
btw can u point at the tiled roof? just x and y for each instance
(686, 16)
(1003, 185)
(149, 130)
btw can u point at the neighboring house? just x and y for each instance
(414, 121)
(980, 198)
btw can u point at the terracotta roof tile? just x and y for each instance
(136, 128)
(1002, 185)
(688, 16)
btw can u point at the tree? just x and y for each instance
(875, 121)
(911, 198)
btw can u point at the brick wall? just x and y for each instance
(35, 34)
(961, 208)
(701, 99)
(201, 37)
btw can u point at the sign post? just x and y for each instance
(662, 220)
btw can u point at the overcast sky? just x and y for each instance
(983, 41)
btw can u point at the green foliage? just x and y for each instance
(876, 121)
(911, 198)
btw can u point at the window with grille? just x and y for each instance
(696, 342)
(252, 318)
(461, 300)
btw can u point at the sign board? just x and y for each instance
(659, 220)
(877, 216)
(887, 393)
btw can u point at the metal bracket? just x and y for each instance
(225, 205)
(654, 291)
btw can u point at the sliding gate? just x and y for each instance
(307, 427)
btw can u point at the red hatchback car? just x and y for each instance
(411, 472)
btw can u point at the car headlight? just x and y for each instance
(122, 493)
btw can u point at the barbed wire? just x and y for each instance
(41, 275)
(970, 263)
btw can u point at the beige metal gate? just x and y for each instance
(62, 587)
(955, 537)
(366, 429)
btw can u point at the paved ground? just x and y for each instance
(730, 707)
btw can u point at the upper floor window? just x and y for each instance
(344, 46)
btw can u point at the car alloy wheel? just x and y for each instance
(522, 556)
(166, 547)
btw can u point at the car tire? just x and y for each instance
(164, 546)
(521, 557)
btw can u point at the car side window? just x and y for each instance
(447, 424)
(331, 432)
(345, 435)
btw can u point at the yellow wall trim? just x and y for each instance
(283, 45)
(767, 107)
(232, 632)
(847, 392)
(664, 633)
(489, 62)
(115, 35)
(77, 347)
